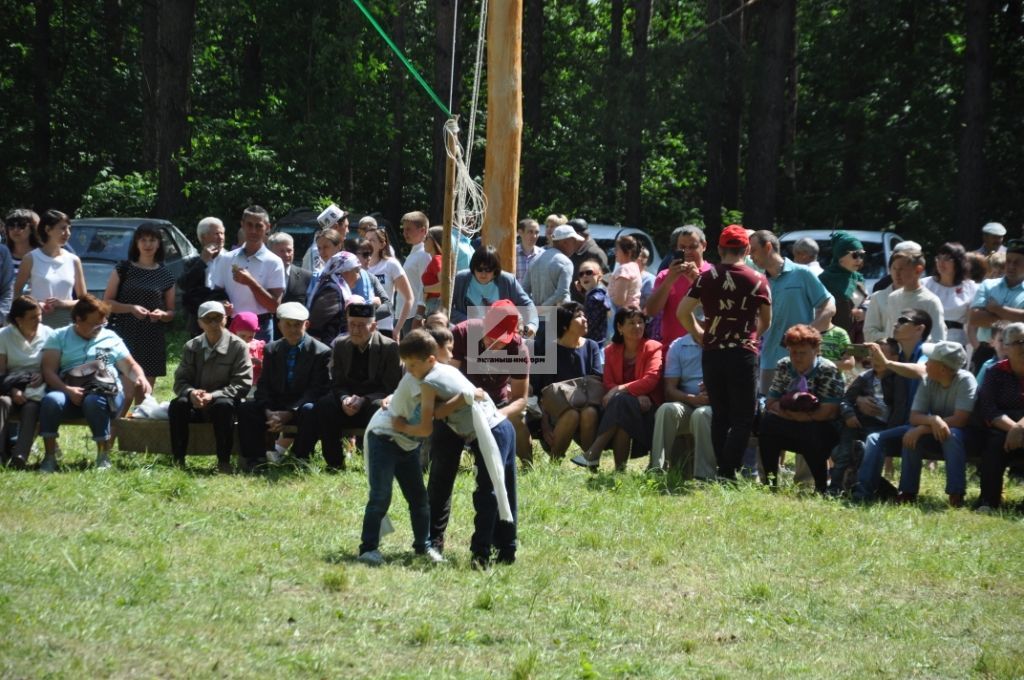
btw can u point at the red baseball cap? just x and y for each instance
(733, 236)
(501, 321)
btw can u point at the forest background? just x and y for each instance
(873, 114)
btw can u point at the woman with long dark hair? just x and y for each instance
(54, 275)
(954, 289)
(140, 292)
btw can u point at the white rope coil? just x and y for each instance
(470, 202)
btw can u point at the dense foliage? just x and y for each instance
(299, 103)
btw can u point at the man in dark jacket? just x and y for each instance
(365, 369)
(295, 376)
(296, 279)
(194, 283)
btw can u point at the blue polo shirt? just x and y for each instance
(796, 293)
(996, 290)
(683, 361)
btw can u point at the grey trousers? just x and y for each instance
(682, 434)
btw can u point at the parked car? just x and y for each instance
(301, 224)
(102, 242)
(878, 247)
(606, 234)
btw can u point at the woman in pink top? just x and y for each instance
(624, 288)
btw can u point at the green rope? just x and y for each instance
(398, 53)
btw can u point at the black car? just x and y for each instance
(102, 242)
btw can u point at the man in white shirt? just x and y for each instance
(909, 265)
(252, 276)
(414, 229)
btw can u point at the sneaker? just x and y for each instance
(103, 462)
(583, 461)
(905, 498)
(49, 464)
(480, 563)
(432, 555)
(274, 456)
(16, 463)
(372, 558)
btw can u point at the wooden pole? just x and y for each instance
(504, 127)
(448, 248)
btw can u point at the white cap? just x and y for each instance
(292, 310)
(565, 231)
(210, 307)
(994, 229)
(331, 215)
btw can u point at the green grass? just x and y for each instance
(155, 572)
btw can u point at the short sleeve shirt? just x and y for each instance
(447, 382)
(997, 290)
(266, 267)
(76, 350)
(670, 326)
(825, 381)
(731, 295)
(406, 403)
(834, 343)
(387, 272)
(797, 292)
(683, 361)
(21, 354)
(934, 399)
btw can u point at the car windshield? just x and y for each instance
(101, 243)
(874, 262)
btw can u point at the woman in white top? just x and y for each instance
(21, 355)
(389, 272)
(54, 275)
(953, 288)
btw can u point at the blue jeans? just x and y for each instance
(96, 409)
(953, 451)
(386, 462)
(876, 448)
(489, 531)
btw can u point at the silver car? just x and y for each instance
(878, 247)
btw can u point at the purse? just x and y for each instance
(92, 377)
(799, 398)
(17, 380)
(575, 393)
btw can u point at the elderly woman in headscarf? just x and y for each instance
(327, 301)
(843, 280)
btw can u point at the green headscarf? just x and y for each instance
(837, 279)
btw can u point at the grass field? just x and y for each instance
(149, 571)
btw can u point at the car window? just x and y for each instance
(171, 250)
(101, 243)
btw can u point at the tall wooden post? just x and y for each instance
(504, 127)
(448, 247)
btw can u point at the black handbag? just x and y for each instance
(93, 377)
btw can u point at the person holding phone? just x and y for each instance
(671, 285)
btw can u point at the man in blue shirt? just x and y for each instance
(999, 300)
(682, 425)
(798, 295)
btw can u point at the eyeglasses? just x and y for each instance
(858, 254)
(587, 272)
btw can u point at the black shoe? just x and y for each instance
(480, 563)
(506, 558)
(16, 463)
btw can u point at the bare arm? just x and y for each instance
(403, 286)
(684, 312)
(764, 319)
(426, 424)
(24, 273)
(823, 315)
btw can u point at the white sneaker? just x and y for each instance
(273, 456)
(103, 461)
(433, 556)
(371, 558)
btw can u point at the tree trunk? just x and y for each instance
(852, 216)
(41, 76)
(636, 126)
(767, 115)
(971, 184)
(713, 122)
(532, 190)
(896, 176)
(734, 99)
(789, 126)
(251, 76)
(174, 71)
(393, 206)
(613, 82)
(443, 84)
(149, 55)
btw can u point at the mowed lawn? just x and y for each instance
(148, 571)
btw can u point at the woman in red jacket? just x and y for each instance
(632, 376)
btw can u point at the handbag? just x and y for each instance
(798, 398)
(575, 393)
(17, 380)
(92, 377)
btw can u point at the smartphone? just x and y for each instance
(859, 351)
(679, 256)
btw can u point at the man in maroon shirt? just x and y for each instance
(737, 311)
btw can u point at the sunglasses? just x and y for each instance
(905, 320)
(857, 254)
(587, 272)
(18, 225)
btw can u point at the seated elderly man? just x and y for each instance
(1001, 410)
(939, 415)
(295, 376)
(365, 369)
(682, 425)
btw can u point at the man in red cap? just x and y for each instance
(737, 311)
(500, 365)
